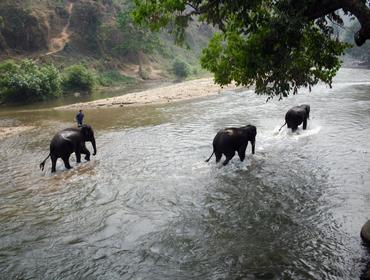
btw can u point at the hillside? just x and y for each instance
(69, 31)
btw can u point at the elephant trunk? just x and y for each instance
(94, 145)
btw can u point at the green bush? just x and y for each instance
(78, 77)
(113, 77)
(181, 68)
(1, 22)
(144, 74)
(26, 81)
(7, 67)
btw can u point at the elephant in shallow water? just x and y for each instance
(229, 140)
(297, 115)
(68, 141)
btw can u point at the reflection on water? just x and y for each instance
(106, 119)
(149, 207)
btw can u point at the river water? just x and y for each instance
(147, 206)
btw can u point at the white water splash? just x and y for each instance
(299, 133)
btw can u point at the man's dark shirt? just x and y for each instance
(79, 118)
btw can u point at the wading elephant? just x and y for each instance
(68, 141)
(297, 115)
(229, 140)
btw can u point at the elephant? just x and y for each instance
(67, 141)
(296, 115)
(231, 139)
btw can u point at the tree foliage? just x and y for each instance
(78, 77)
(135, 37)
(278, 45)
(26, 81)
(181, 68)
(1, 22)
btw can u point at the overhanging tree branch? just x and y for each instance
(359, 9)
(278, 45)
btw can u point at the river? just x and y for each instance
(147, 206)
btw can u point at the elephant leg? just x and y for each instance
(305, 123)
(66, 162)
(294, 128)
(86, 152)
(229, 155)
(53, 163)
(253, 146)
(218, 156)
(241, 152)
(78, 156)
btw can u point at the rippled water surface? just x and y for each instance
(149, 207)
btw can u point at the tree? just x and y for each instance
(78, 77)
(28, 81)
(278, 45)
(181, 68)
(135, 38)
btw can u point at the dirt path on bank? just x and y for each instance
(58, 43)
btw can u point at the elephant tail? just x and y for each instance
(282, 126)
(42, 164)
(207, 160)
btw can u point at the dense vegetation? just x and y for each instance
(137, 39)
(26, 81)
(78, 77)
(114, 77)
(181, 68)
(97, 44)
(279, 46)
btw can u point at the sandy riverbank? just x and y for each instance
(171, 93)
(11, 130)
(165, 94)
